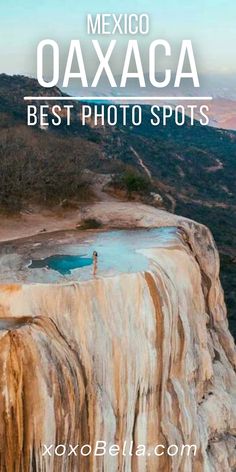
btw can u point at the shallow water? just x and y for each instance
(68, 255)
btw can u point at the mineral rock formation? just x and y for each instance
(143, 357)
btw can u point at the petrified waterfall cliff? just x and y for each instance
(143, 357)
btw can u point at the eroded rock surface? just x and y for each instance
(143, 357)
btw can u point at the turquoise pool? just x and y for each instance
(68, 255)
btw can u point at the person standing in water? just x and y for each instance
(95, 262)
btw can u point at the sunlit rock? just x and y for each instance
(144, 357)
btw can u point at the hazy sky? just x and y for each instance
(209, 23)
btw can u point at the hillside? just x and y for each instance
(192, 168)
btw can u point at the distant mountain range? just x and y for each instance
(221, 87)
(194, 168)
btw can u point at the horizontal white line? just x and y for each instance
(120, 98)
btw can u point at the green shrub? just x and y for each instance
(134, 182)
(90, 223)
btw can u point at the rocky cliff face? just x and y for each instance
(144, 357)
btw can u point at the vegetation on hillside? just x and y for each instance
(131, 182)
(41, 168)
